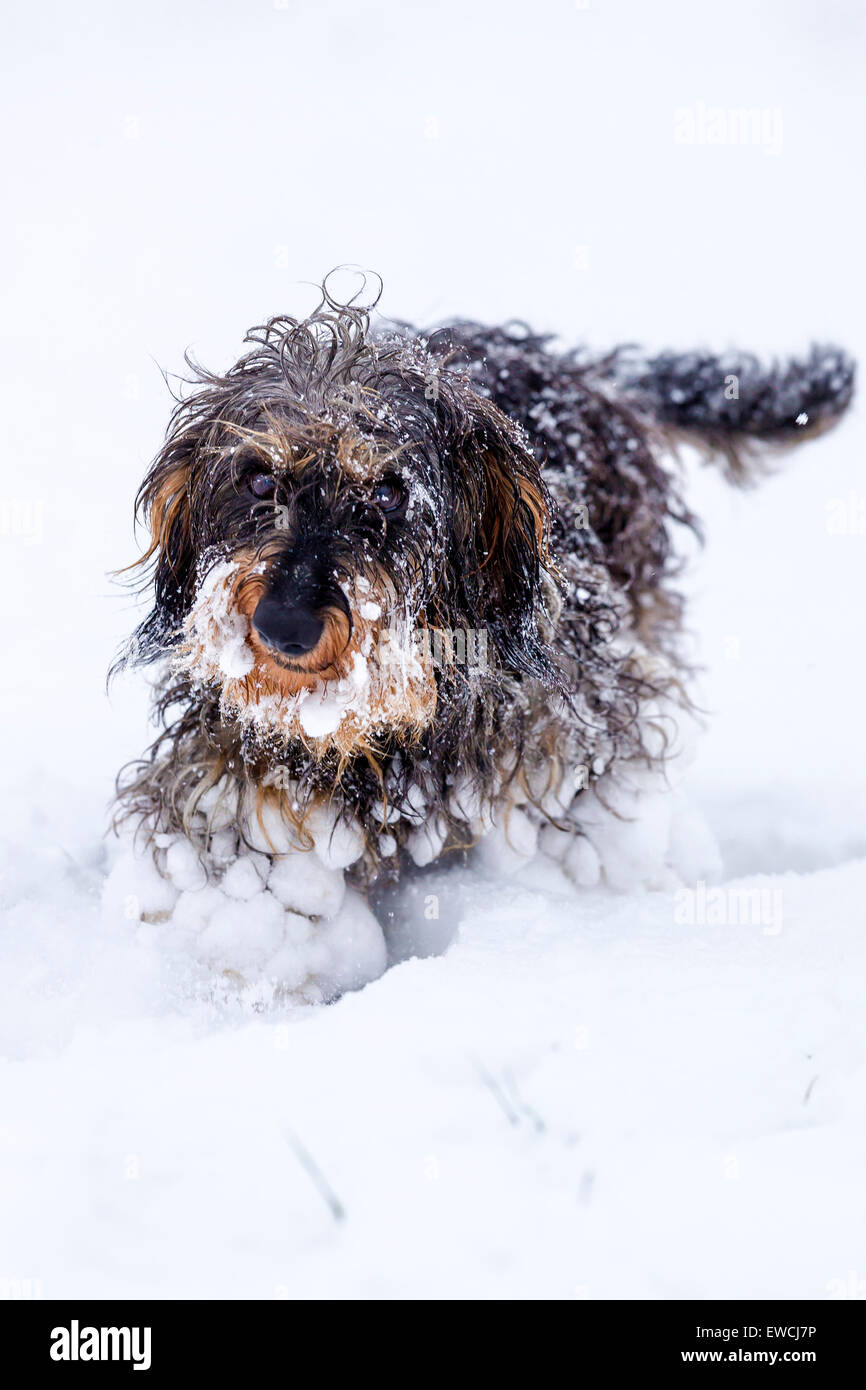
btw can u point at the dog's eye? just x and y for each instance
(262, 484)
(389, 495)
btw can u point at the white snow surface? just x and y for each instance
(551, 1092)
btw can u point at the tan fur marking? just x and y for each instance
(398, 692)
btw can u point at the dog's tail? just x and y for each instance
(732, 403)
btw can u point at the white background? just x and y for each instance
(177, 172)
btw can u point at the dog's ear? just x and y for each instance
(501, 531)
(163, 505)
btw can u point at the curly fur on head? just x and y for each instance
(346, 497)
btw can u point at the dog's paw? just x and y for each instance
(635, 833)
(283, 926)
(694, 850)
(509, 843)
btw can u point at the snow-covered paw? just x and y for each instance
(629, 831)
(635, 833)
(510, 843)
(283, 924)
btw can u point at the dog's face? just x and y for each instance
(319, 509)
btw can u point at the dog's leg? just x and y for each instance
(636, 826)
(635, 831)
(266, 914)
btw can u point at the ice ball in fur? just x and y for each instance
(302, 883)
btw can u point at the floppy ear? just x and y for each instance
(501, 530)
(163, 503)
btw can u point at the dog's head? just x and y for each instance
(321, 509)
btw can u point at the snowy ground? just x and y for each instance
(583, 1095)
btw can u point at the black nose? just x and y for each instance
(292, 631)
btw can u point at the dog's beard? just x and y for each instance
(382, 684)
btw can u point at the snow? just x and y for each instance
(553, 1091)
(222, 630)
(322, 711)
(581, 1098)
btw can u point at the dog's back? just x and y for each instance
(600, 425)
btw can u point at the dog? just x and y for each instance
(414, 595)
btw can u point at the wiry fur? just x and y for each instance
(541, 514)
